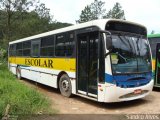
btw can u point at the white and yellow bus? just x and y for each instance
(103, 60)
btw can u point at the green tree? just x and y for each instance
(43, 12)
(92, 12)
(116, 12)
(97, 9)
(86, 15)
(8, 9)
(31, 24)
(17, 20)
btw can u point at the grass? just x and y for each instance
(21, 98)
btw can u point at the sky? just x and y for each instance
(145, 12)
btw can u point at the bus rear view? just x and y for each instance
(128, 52)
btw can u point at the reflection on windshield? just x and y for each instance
(130, 54)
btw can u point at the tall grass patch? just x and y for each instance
(21, 98)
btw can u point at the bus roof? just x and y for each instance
(99, 23)
(153, 35)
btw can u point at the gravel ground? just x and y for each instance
(79, 105)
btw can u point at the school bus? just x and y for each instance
(103, 60)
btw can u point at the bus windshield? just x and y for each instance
(130, 54)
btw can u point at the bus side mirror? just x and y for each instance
(108, 42)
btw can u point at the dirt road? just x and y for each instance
(79, 105)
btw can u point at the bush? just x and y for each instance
(3, 55)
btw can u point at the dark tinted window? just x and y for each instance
(19, 53)
(47, 46)
(65, 44)
(47, 41)
(27, 52)
(19, 49)
(27, 48)
(19, 46)
(60, 46)
(70, 43)
(26, 44)
(35, 48)
(47, 51)
(12, 50)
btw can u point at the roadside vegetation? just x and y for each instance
(20, 98)
(24, 18)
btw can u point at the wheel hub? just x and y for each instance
(65, 85)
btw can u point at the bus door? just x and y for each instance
(157, 81)
(87, 61)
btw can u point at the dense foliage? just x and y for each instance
(23, 18)
(96, 10)
(116, 12)
(21, 98)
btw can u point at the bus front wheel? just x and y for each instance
(65, 85)
(18, 73)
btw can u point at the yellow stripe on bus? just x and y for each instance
(64, 64)
(153, 64)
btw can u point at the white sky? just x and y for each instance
(146, 12)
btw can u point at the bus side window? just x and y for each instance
(47, 46)
(59, 45)
(19, 49)
(70, 44)
(64, 44)
(35, 48)
(27, 48)
(12, 50)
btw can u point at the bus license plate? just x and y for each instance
(138, 91)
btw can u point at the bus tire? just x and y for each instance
(18, 73)
(65, 86)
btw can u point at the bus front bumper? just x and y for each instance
(117, 94)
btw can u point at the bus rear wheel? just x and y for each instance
(65, 85)
(18, 73)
